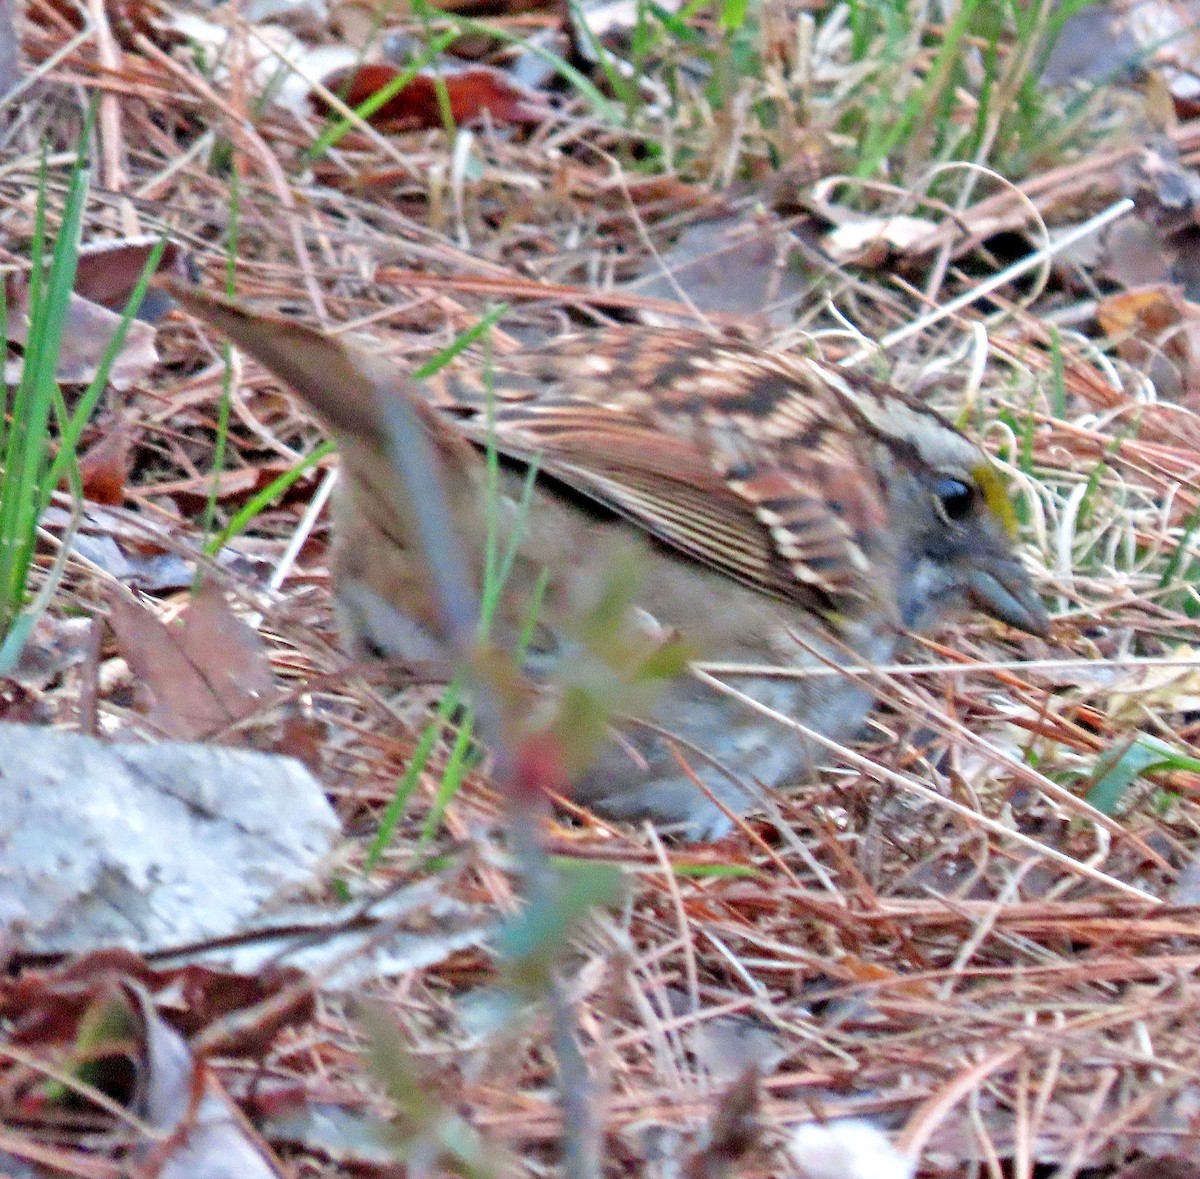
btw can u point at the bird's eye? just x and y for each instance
(957, 498)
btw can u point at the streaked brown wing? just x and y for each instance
(657, 481)
(752, 467)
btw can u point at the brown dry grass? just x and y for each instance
(948, 939)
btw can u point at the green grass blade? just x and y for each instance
(263, 499)
(26, 481)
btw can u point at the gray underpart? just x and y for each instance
(734, 750)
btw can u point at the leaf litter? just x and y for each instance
(918, 966)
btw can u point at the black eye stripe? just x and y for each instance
(957, 498)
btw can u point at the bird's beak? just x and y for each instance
(1002, 589)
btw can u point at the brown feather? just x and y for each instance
(807, 499)
(668, 429)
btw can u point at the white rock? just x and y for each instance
(148, 846)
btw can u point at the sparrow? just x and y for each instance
(784, 511)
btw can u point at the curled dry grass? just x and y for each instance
(946, 937)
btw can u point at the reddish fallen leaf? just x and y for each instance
(104, 468)
(1186, 109)
(1147, 310)
(304, 738)
(204, 672)
(1157, 331)
(20, 705)
(44, 1007)
(109, 269)
(128, 19)
(472, 92)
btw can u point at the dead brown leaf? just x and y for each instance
(1157, 330)
(104, 468)
(89, 330)
(204, 672)
(471, 92)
